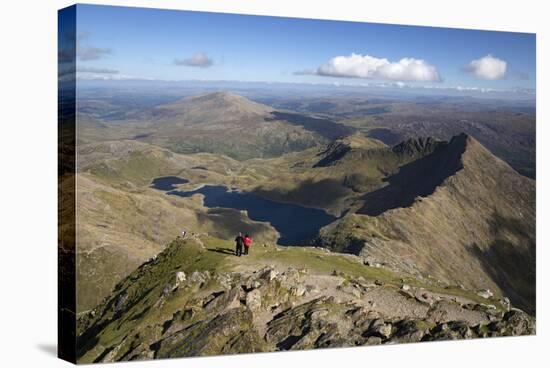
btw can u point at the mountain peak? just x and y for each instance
(417, 146)
(221, 103)
(340, 148)
(222, 96)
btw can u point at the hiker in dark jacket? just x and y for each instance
(247, 243)
(239, 242)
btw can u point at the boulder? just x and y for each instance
(410, 331)
(518, 323)
(506, 303)
(224, 280)
(121, 302)
(198, 277)
(373, 340)
(379, 328)
(180, 277)
(298, 290)
(486, 294)
(312, 289)
(269, 274)
(453, 330)
(254, 299)
(223, 301)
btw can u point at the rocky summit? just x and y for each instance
(196, 299)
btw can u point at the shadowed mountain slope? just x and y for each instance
(324, 127)
(459, 214)
(418, 178)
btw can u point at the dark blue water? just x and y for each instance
(297, 225)
(167, 183)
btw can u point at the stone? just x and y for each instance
(224, 280)
(453, 330)
(254, 300)
(298, 290)
(269, 274)
(486, 294)
(405, 287)
(224, 301)
(518, 323)
(410, 331)
(380, 328)
(506, 303)
(180, 277)
(252, 284)
(199, 277)
(373, 340)
(121, 302)
(441, 327)
(384, 330)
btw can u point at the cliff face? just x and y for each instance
(195, 298)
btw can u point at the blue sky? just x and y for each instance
(120, 42)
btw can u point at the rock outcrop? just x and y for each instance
(170, 308)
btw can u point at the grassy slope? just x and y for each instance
(122, 222)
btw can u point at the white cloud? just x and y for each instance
(487, 67)
(370, 67)
(200, 60)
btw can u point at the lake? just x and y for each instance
(167, 183)
(297, 225)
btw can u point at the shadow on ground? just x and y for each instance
(419, 178)
(511, 264)
(222, 250)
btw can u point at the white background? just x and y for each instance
(28, 186)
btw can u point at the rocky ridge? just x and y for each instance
(173, 307)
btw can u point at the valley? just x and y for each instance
(447, 215)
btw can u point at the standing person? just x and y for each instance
(239, 242)
(247, 243)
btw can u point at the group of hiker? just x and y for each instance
(242, 244)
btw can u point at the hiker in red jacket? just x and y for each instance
(247, 243)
